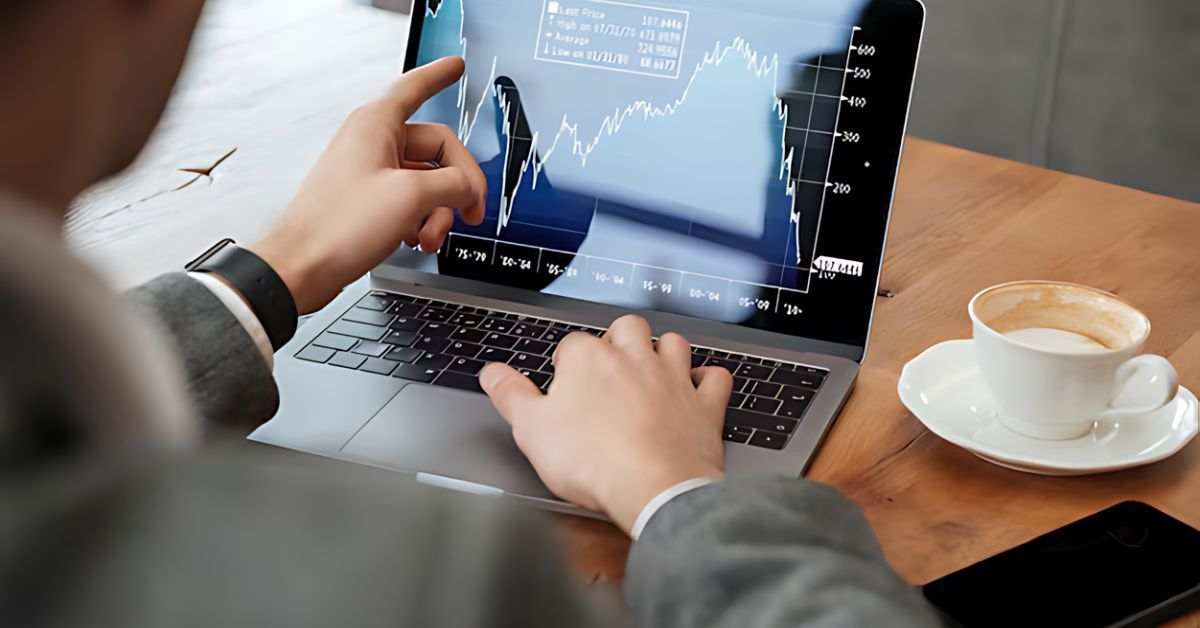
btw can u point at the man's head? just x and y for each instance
(84, 83)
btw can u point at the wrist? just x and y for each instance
(258, 285)
(625, 504)
(292, 260)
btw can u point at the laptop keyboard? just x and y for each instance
(445, 344)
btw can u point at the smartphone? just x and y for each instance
(1129, 565)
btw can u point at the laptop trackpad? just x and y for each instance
(449, 433)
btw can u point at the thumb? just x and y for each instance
(714, 384)
(512, 393)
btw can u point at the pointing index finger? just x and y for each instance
(420, 84)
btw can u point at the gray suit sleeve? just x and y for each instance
(766, 552)
(228, 380)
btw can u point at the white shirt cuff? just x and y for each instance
(662, 499)
(241, 311)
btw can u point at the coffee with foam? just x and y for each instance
(1056, 356)
(1062, 317)
(1056, 340)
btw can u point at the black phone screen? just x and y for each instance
(1103, 570)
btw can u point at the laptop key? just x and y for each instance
(466, 334)
(497, 325)
(792, 393)
(415, 373)
(728, 365)
(336, 342)
(372, 349)
(554, 335)
(736, 399)
(358, 330)
(438, 330)
(762, 404)
(529, 345)
(347, 360)
(528, 362)
(403, 354)
(501, 341)
(431, 345)
(406, 323)
(539, 379)
(368, 317)
(768, 440)
(461, 381)
(760, 421)
(526, 330)
(792, 409)
(378, 366)
(740, 383)
(400, 338)
(764, 389)
(492, 354)
(434, 361)
(376, 302)
(466, 365)
(463, 349)
(737, 434)
(698, 361)
(407, 310)
(817, 375)
(435, 314)
(316, 354)
(466, 320)
(754, 371)
(796, 378)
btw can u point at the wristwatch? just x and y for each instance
(259, 284)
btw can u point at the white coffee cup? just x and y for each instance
(1058, 357)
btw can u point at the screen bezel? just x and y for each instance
(660, 320)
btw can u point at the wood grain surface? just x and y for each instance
(273, 79)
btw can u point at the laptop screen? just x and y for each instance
(716, 159)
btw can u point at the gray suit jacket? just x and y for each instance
(102, 526)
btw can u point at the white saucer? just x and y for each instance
(943, 389)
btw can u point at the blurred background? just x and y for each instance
(1107, 89)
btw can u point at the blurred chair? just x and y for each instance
(1108, 89)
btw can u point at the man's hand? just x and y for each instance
(374, 190)
(624, 420)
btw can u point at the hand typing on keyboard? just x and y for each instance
(624, 419)
(373, 190)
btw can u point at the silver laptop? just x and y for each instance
(724, 169)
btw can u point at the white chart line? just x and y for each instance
(760, 63)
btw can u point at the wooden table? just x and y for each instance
(273, 78)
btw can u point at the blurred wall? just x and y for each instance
(1108, 89)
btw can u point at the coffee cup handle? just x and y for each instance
(1162, 376)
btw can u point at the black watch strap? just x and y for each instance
(259, 284)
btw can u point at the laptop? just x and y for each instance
(724, 169)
